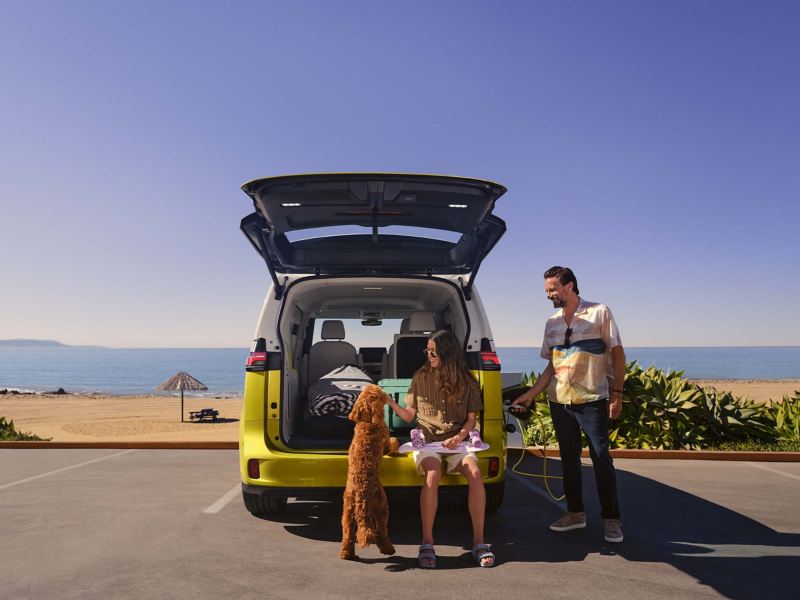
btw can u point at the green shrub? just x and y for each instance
(666, 411)
(784, 418)
(8, 433)
(539, 431)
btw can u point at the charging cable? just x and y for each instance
(544, 474)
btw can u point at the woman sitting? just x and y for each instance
(445, 398)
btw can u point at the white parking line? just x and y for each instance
(771, 470)
(220, 504)
(537, 490)
(88, 462)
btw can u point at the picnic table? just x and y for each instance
(204, 414)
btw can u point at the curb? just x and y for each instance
(532, 450)
(679, 454)
(125, 445)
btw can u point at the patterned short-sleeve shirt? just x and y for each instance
(583, 367)
(440, 417)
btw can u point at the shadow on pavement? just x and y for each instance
(738, 557)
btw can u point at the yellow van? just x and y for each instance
(382, 258)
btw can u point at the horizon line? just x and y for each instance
(104, 347)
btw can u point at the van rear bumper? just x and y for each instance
(327, 493)
(307, 471)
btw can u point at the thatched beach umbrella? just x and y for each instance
(181, 381)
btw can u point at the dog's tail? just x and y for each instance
(365, 535)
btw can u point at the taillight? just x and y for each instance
(253, 470)
(257, 361)
(490, 361)
(494, 466)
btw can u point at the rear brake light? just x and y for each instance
(490, 358)
(253, 470)
(256, 359)
(494, 466)
(260, 360)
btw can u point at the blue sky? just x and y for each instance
(652, 146)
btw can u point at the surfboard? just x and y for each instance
(438, 448)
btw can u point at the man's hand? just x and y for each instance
(615, 406)
(523, 402)
(527, 399)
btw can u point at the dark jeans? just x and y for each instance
(592, 418)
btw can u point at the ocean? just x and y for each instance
(139, 371)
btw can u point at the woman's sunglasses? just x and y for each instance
(430, 353)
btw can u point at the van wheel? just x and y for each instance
(494, 496)
(261, 506)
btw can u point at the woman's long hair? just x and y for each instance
(452, 374)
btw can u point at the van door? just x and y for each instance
(321, 205)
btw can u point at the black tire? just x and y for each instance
(494, 497)
(262, 506)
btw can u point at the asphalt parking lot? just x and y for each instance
(95, 523)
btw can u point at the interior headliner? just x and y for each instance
(348, 298)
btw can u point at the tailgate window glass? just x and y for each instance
(422, 232)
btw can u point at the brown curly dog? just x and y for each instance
(365, 518)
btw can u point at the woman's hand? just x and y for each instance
(452, 443)
(407, 413)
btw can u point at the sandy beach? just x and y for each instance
(88, 418)
(758, 390)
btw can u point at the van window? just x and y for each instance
(405, 230)
(361, 335)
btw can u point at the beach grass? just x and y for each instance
(9, 434)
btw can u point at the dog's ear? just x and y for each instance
(357, 413)
(378, 402)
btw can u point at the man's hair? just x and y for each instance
(564, 274)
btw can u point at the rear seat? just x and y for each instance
(372, 360)
(326, 355)
(331, 352)
(408, 347)
(389, 357)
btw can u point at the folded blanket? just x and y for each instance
(335, 393)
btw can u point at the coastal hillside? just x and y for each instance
(26, 343)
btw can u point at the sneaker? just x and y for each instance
(612, 531)
(569, 521)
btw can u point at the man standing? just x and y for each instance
(584, 378)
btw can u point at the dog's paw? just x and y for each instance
(347, 555)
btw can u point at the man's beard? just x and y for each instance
(557, 302)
